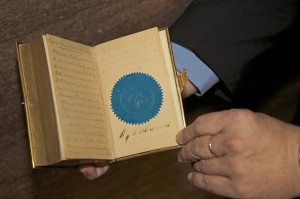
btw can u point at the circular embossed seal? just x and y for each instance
(136, 98)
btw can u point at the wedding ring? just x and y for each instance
(210, 147)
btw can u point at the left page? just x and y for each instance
(78, 98)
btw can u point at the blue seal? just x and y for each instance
(136, 98)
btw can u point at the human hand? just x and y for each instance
(251, 155)
(92, 172)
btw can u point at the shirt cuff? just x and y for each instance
(197, 71)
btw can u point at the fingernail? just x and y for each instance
(101, 170)
(179, 138)
(106, 168)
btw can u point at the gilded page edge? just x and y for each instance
(146, 153)
(175, 74)
(27, 111)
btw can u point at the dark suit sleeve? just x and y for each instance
(228, 34)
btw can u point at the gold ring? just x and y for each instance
(210, 147)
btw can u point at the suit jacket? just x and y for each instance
(249, 44)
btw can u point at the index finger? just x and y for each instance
(207, 124)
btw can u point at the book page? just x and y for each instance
(137, 91)
(78, 98)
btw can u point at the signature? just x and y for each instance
(127, 133)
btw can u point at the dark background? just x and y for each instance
(92, 22)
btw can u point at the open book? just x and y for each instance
(116, 100)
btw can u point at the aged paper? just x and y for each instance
(79, 100)
(130, 59)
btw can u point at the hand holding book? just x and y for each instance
(116, 100)
(91, 172)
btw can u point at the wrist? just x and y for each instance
(188, 90)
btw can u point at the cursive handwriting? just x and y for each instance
(78, 95)
(127, 133)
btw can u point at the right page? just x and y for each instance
(139, 93)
